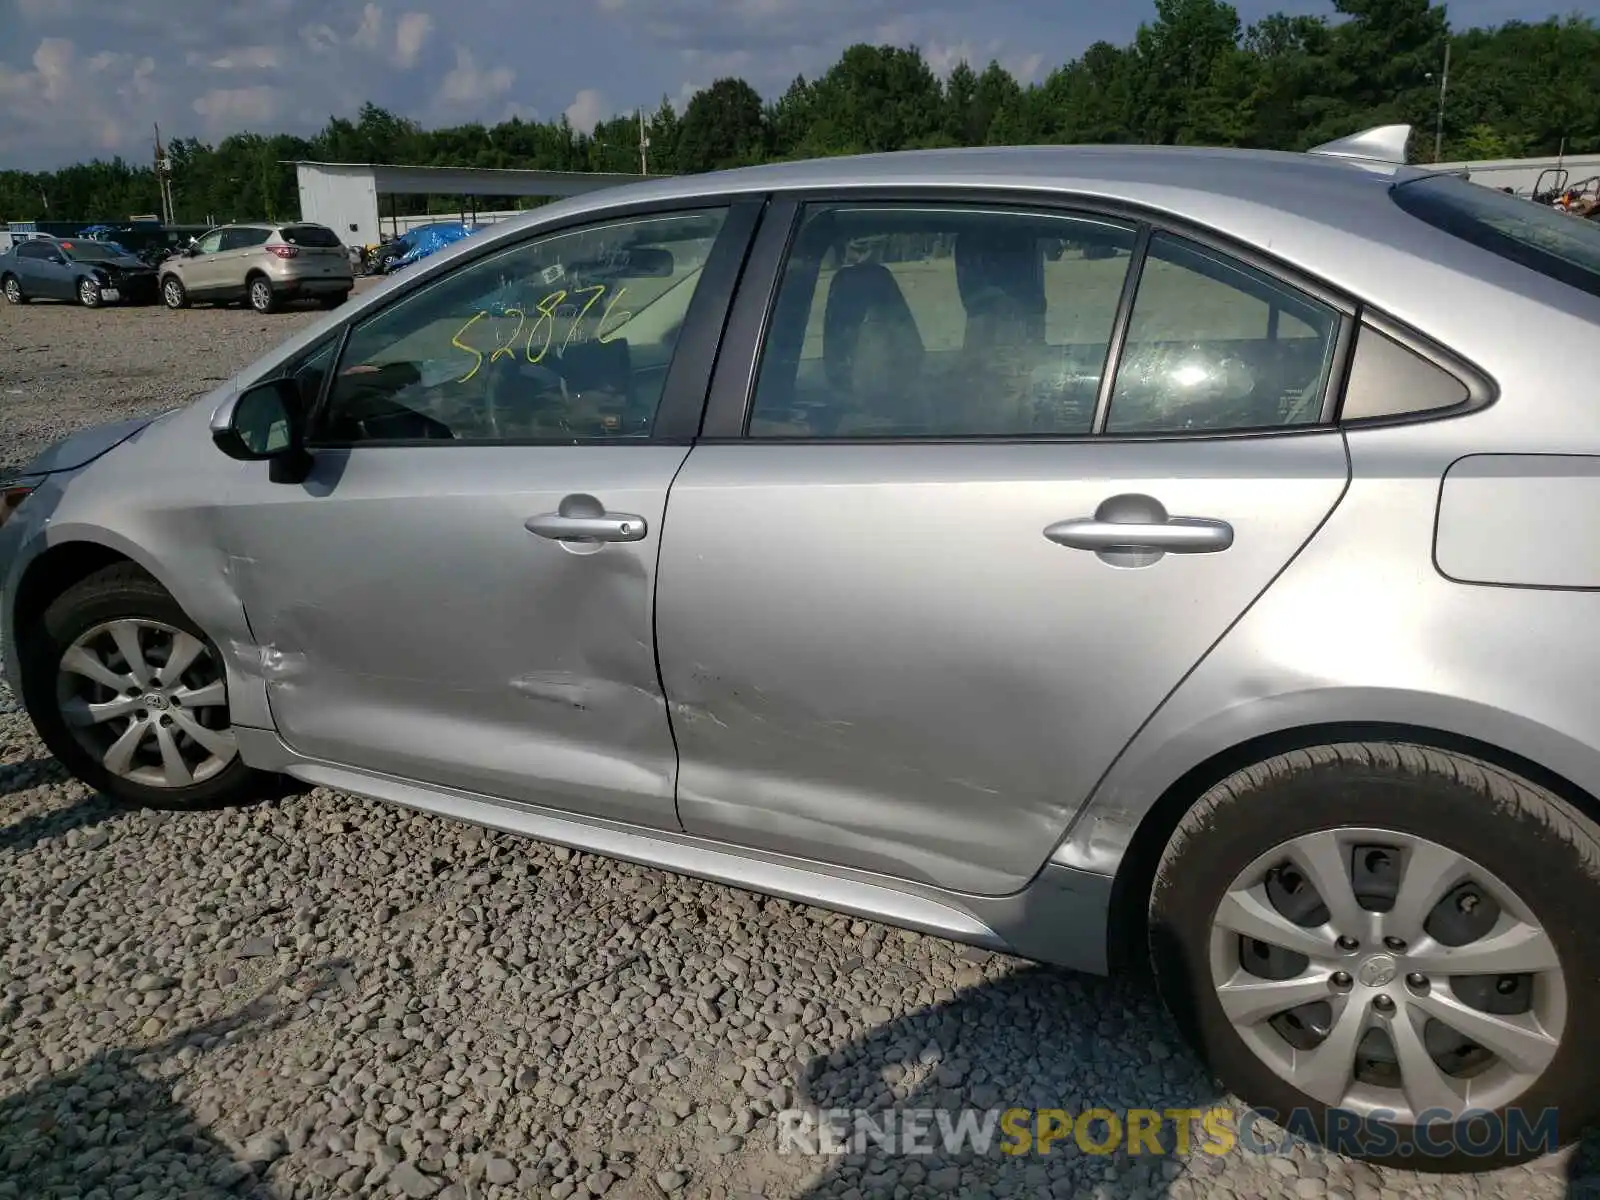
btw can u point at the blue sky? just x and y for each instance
(80, 78)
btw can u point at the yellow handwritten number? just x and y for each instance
(599, 290)
(625, 316)
(508, 348)
(477, 355)
(547, 320)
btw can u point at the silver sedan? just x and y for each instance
(1119, 556)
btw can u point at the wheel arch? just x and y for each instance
(1135, 873)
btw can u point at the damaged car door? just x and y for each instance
(459, 591)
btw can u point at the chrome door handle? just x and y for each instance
(584, 519)
(1175, 535)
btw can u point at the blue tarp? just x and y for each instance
(429, 239)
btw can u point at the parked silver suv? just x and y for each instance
(263, 264)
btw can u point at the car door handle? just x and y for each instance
(584, 519)
(1175, 535)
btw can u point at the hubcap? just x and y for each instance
(12, 290)
(173, 294)
(261, 295)
(149, 701)
(1375, 970)
(87, 292)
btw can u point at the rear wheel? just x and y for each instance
(131, 695)
(262, 298)
(173, 294)
(1391, 949)
(13, 290)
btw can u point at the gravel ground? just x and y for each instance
(321, 995)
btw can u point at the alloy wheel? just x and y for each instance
(1380, 972)
(89, 293)
(261, 295)
(13, 291)
(149, 701)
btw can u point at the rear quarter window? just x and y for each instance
(1555, 244)
(310, 235)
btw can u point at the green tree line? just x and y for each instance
(1192, 75)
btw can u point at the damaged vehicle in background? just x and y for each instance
(88, 272)
(1124, 557)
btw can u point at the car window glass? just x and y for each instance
(243, 239)
(310, 369)
(308, 235)
(940, 321)
(33, 250)
(211, 242)
(565, 338)
(1215, 345)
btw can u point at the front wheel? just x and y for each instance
(89, 293)
(173, 294)
(132, 696)
(1390, 949)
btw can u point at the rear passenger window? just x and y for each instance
(940, 321)
(1214, 345)
(243, 239)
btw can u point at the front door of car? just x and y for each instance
(461, 591)
(998, 480)
(200, 268)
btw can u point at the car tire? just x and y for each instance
(1245, 856)
(89, 293)
(260, 294)
(173, 293)
(136, 744)
(13, 290)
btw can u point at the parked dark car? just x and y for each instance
(88, 272)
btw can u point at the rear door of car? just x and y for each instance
(980, 481)
(241, 247)
(40, 274)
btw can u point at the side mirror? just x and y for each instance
(261, 422)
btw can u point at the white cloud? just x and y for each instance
(243, 58)
(588, 108)
(410, 33)
(469, 84)
(228, 110)
(369, 34)
(84, 102)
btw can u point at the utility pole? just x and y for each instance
(1438, 126)
(164, 179)
(644, 144)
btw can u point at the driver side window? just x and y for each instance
(564, 338)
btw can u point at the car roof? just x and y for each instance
(1312, 182)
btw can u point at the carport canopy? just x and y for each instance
(344, 196)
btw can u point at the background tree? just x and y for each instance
(1190, 75)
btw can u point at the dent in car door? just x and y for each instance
(882, 647)
(462, 592)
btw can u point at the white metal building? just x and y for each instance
(1521, 175)
(348, 197)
